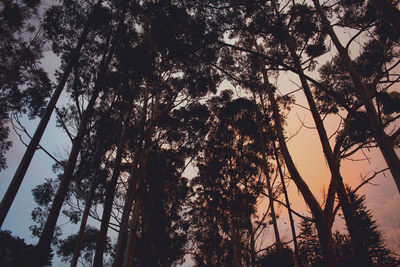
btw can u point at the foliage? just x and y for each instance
(274, 258)
(372, 237)
(67, 245)
(309, 247)
(15, 252)
(24, 85)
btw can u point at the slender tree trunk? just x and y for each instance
(322, 225)
(134, 186)
(359, 246)
(43, 246)
(110, 191)
(136, 179)
(293, 228)
(82, 228)
(253, 255)
(235, 247)
(324, 231)
(271, 194)
(130, 251)
(384, 141)
(33, 144)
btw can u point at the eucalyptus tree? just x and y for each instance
(269, 53)
(302, 18)
(84, 18)
(91, 172)
(24, 85)
(384, 142)
(302, 31)
(229, 184)
(375, 62)
(110, 40)
(175, 42)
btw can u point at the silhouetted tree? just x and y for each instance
(309, 246)
(15, 252)
(273, 257)
(24, 86)
(372, 237)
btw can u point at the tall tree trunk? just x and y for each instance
(253, 255)
(384, 141)
(357, 241)
(324, 231)
(134, 186)
(110, 191)
(235, 245)
(43, 246)
(85, 215)
(270, 193)
(130, 251)
(33, 144)
(292, 226)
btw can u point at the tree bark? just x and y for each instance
(135, 181)
(235, 245)
(33, 144)
(253, 255)
(384, 141)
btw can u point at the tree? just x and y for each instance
(24, 86)
(15, 252)
(385, 142)
(28, 155)
(274, 258)
(372, 237)
(229, 183)
(309, 245)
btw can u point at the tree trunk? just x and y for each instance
(271, 194)
(33, 144)
(110, 191)
(324, 231)
(85, 215)
(253, 255)
(292, 226)
(43, 246)
(130, 251)
(235, 245)
(134, 186)
(384, 141)
(359, 246)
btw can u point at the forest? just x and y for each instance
(180, 142)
